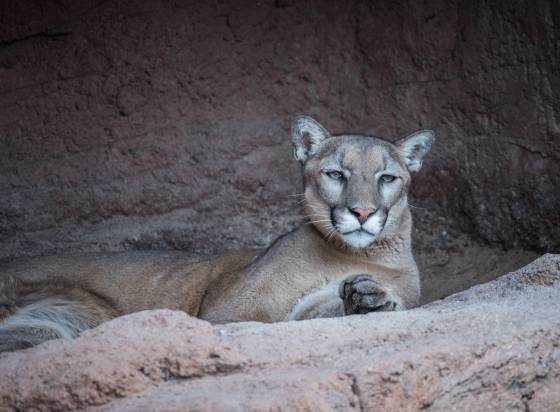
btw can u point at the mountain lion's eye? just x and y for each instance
(335, 174)
(388, 178)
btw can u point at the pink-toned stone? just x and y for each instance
(492, 347)
(115, 360)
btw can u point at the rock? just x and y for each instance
(492, 347)
(115, 360)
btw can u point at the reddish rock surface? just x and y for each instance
(144, 125)
(492, 347)
(129, 124)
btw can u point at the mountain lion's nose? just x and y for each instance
(362, 214)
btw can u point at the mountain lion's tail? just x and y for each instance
(33, 313)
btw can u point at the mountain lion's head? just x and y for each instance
(356, 185)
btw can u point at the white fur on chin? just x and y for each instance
(359, 239)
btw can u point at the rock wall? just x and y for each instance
(493, 347)
(129, 124)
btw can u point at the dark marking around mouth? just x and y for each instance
(358, 230)
(333, 219)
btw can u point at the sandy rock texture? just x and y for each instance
(492, 347)
(129, 124)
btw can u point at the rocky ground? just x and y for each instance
(492, 347)
(133, 125)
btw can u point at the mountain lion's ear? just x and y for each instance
(307, 134)
(413, 148)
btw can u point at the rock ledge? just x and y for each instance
(492, 347)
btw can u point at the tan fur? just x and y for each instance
(315, 271)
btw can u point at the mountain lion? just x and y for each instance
(354, 256)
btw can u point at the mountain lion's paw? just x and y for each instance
(361, 294)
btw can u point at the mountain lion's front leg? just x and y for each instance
(355, 294)
(321, 303)
(362, 294)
